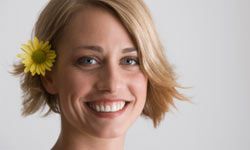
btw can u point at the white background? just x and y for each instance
(208, 42)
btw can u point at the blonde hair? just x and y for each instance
(136, 18)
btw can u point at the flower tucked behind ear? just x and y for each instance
(37, 57)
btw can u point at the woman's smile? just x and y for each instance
(107, 108)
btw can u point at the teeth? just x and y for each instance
(102, 108)
(113, 108)
(98, 108)
(107, 108)
(116, 106)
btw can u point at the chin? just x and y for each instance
(110, 131)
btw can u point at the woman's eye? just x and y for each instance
(87, 61)
(130, 61)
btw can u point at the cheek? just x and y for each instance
(72, 86)
(138, 87)
(72, 83)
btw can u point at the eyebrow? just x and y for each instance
(100, 49)
(129, 49)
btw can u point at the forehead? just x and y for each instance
(93, 25)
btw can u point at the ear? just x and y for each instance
(48, 82)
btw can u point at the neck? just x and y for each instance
(71, 139)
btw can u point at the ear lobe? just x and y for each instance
(48, 83)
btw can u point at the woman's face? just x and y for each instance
(97, 77)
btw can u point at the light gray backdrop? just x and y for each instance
(208, 42)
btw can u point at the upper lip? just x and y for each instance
(108, 100)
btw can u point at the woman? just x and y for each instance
(110, 68)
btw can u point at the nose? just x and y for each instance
(110, 78)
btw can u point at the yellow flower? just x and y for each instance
(37, 57)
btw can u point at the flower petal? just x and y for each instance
(26, 48)
(36, 43)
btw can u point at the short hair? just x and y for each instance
(136, 18)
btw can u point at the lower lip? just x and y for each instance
(109, 114)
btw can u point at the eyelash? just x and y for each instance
(88, 60)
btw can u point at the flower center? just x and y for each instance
(38, 56)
